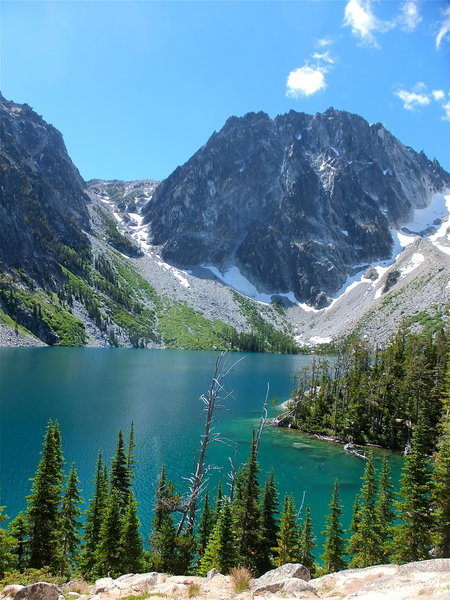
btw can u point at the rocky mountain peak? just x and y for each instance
(295, 203)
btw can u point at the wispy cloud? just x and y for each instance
(305, 81)
(324, 42)
(419, 96)
(324, 56)
(364, 24)
(444, 28)
(409, 16)
(360, 17)
(412, 100)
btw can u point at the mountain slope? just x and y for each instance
(294, 203)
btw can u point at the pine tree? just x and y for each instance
(269, 524)
(43, 516)
(163, 539)
(222, 551)
(365, 544)
(412, 537)
(131, 547)
(384, 512)
(120, 478)
(94, 518)
(287, 548)
(219, 501)
(206, 525)
(108, 554)
(247, 514)
(333, 554)
(441, 481)
(70, 513)
(8, 547)
(131, 461)
(18, 529)
(307, 543)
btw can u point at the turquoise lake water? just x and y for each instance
(93, 392)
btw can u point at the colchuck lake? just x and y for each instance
(93, 392)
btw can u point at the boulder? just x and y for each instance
(103, 585)
(11, 590)
(212, 573)
(294, 585)
(286, 571)
(38, 591)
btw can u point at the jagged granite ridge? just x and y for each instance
(296, 202)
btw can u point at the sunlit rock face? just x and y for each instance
(295, 203)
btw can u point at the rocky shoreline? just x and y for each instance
(412, 581)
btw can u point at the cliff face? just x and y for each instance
(296, 203)
(43, 204)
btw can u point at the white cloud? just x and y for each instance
(324, 42)
(446, 108)
(359, 16)
(324, 56)
(444, 28)
(419, 97)
(305, 81)
(412, 99)
(438, 95)
(410, 16)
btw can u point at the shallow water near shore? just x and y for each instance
(93, 392)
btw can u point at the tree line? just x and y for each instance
(374, 395)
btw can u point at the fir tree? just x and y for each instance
(307, 543)
(70, 513)
(206, 525)
(94, 518)
(131, 461)
(247, 514)
(411, 538)
(120, 478)
(384, 512)
(43, 515)
(131, 548)
(219, 500)
(8, 547)
(108, 554)
(269, 524)
(333, 554)
(365, 543)
(287, 548)
(222, 549)
(18, 529)
(441, 481)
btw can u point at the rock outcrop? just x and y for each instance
(295, 202)
(413, 581)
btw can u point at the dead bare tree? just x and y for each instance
(212, 401)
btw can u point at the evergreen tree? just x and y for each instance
(365, 543)
(131, 461)
(247, 514)
(333, 554)
(43, 515)
(120, 478)
(18, 529)
(206, 525)
(163, 539)
(307, 543)
(94, 518)
(441, 481)
(384, 513)
(412, 538)
(108, 556)
(269, 524)
(219, 500)
(287, 548)
(131, 548)
(222, 551)
(8, 547)
(70, 513)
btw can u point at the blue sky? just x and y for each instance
(136, 87)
